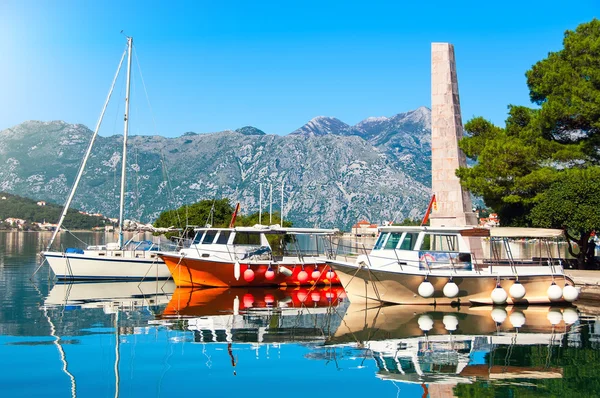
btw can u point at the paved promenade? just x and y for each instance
(584, 278)
(589, 282)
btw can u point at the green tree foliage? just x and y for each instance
(252, 219)
(520, 167)
(572, 203)
(27, 209)
(410, 222)
(214, 212)
(567, 87)
(580, 367)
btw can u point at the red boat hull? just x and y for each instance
(189, 302)
(195, 272)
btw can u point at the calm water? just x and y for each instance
(151, 339)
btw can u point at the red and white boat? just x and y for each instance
(253, 256)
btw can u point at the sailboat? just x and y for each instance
(113, 261)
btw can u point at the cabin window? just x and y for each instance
(245, 238)
(223, 237)
(440, 243)
(408, 243)
(198, 237)
(393, 240)
(446, 243)
(379, 243)
(209, 237)
(426, 243)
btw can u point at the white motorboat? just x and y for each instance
(427, 265)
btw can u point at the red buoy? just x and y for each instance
(302, 276)
(302, 295)
(269, 299)
(270, 274)
(316, 274)
(248, 275)
(248, 300)
(315, 296)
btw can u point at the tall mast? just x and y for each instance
(125, 131)
(271, 204)
(87, 155)
(260, 203)
(282, 185)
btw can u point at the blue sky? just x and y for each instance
(211, 66)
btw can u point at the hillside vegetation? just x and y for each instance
(13, 206)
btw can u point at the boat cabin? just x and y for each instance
(425, 247)
(256, 243)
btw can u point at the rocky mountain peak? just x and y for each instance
(323, 125)
(249, 130)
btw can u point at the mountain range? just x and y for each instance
(333, 174)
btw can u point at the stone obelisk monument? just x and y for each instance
(454, 207)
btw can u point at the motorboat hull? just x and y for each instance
(363, 284)
(107, 265)
(187, 271)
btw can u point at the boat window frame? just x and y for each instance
(389, 240)
(247, 234)
(198, 237)
(413, 241)
(432, 242)
(381, 240)
(207, 234)
(219, 241)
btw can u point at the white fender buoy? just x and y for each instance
(554, 292)
(517, 319)
(451, 289)
(236, 305)
(554, 316)
(499, 295)
(517, 291)
(450, 322)
(425, 323)
(570, 293)
(236, 270)
(285, 271)
(499, 315)
(570, 316)
(426, 289)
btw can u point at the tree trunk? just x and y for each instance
(583, 259)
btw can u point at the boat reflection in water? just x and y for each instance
(111, 296)
(256, 315)
(439, 348)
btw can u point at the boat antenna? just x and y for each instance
(86, 157)
(125, 132)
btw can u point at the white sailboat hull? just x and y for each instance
(107, 265)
